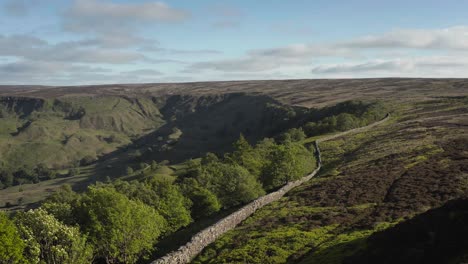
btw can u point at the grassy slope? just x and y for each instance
(143, 128)
(56, 141)
(370, 182)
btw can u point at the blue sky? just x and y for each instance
(72, 42)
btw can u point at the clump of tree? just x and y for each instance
(231, 183)
(249, 171)
(287, 162)
(203, 202)
(121, 221)
(121, 230)
(119, 226)
(25, 175)
(345, 116)
(48, 240)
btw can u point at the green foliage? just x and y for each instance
(129, 170)
(50, 241)
(246, 156)
(120, 229)
(292, 135)
(6, 179)
(287, 163)
(11, 245)
(172, 204)
(274, 246)
(346, 116)
(203, 201)
(25, 175)
(231, 183)
(154, 165)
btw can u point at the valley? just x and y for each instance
(190, 154)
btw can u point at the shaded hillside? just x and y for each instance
(196, 125)
(436, 236)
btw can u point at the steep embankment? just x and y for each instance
(207, 236)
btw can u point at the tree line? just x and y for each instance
(121, 221)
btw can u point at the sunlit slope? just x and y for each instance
(370, 181)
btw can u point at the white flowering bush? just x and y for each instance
(50, 241)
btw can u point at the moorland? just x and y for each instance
(132, 171)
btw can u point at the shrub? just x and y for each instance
(11, 245)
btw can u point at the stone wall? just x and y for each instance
(356, 130)
(208, 235)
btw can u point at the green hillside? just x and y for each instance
(370, 182)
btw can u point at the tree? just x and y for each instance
(231, 183)
(297, 134)
(287, 162)
(172, 204)
(50, 241)
(246, 156)
(292, 135)
(311, 129)
(73, 172)
(64, 194)
(204, 202)
(11, 245)
(129, 170)
(44, 173)
(154, 165)
(242, 145)
(6, 177)
(86, 160)
(208, 158)
(346, 121)
(121, 230)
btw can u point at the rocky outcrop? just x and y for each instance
(207, 236)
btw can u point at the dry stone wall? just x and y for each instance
(356, 130)
(208, 235)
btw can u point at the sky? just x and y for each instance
(77, 42)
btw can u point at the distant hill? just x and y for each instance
(310, 93)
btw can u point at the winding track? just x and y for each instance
(208, 235)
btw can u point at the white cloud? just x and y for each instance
(370, 66)
(434, 66)
(34, 72)
(269, 59)
(451, 38)
(143, 72)
(32, 48)
(60, 73)
(105, 17)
